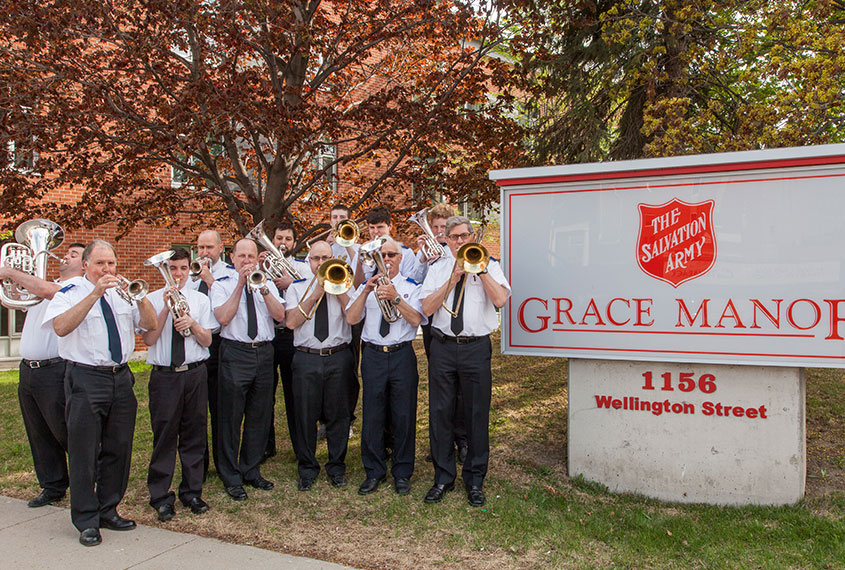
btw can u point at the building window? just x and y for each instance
(327, 155)
(22, 158)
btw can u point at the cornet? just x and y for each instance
(256, 280)
(371, 255)
(131, 291)
(176, 303)
(335, 276)
(431, 248)
(275, 264)
(473, 257)
(35, 239)
(197, 265)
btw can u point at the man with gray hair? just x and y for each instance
(463, 308)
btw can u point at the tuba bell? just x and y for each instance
(275, 265)
(473, 257)
(335, 276)
(35, 239)
(178, 306)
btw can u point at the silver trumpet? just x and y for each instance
(176, 303)
(431, 248)
(197, 265)
(35, 239)
(131, 291)
(275, 264)
(256, 280)
(371, 255)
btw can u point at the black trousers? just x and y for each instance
(466, 366)
(41, 395)
(283, 351)
(178, 402)
(390, 383)
(244, 396)
(460, 424)
(211, 366)
(321, 387)
(101, 408)
(354, 386)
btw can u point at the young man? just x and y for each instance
(379, 224)
(245, 386)
(460, 356)
(349, 254)
(322, 372)
(96, 329)
(41, 389)
(388, 371)
(178, 390)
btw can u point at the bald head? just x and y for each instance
(244, 253)
(320, 252)
(210, 245)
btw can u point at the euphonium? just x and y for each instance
(335, 276)
(275, 264)
(371, 255)
(131, 291)
(474, 258)
(431, 248)
(176, 303)
(35, 239)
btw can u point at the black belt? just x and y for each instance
(111, 369)
(182, 368)
(248, 344)
(42, 363)
(386, 348)
(323, 351)
(458, 339)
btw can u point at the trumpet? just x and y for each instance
(431, 248)
(197, 265)
(131, 291)
(256, 280)
(275, 264)
(473, 257)
(346, 232)
(35, 239)
(177, 304)
(335, 276)
(371, 255)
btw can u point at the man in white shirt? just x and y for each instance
(41, 389)
(96, 329)
(245, 386)
(178, 349)
(388, 371)
(460, 356)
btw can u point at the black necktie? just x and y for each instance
(321, 324)
(203, 288)
(458, 319)
(177, 348)
(384, 328)
(115, 349)
(251, 322)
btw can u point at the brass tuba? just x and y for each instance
(335, 276)
(371, 255)
(275, 265)
(177, 304)
(431, 248)
(35, 239)
(473, 257)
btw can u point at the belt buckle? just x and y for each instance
(385, 348)
(463, 339)
(181, 368)
(255, 344)
(325, 352)
(115, 369)
(34, 364)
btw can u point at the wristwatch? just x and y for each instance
(264, 291)
(397, 300)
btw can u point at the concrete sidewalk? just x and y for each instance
(44, 538)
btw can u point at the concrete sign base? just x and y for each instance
(693, 433)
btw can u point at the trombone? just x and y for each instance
(474, 258)
(346, 232)
(335, 276)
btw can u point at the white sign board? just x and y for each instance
(730, 258)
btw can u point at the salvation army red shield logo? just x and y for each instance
(676, 240)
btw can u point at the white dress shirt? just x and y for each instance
(478, 310)
(422, 266)
(401, 330)
(200, 309)
(38, 339)
(339, 330)
(218, 270)
(237, 327)
(88, 343)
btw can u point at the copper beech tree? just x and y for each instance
(255, 104)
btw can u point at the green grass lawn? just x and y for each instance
(536, 517)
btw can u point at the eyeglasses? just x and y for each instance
(321, 258)
(390, 254)
(463, 236)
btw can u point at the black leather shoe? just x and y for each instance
(435, 494)
(236, 492)
(117, 522)
(45, 498)
(402, 486)
(90, 537)
(165, 512)
(197, 505)
(338, 480)
(370, 485)
(260, 483)
(475, 495)
(462, 454)
(305, 484)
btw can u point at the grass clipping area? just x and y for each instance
(535, 517)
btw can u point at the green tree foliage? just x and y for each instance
(622, 79)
